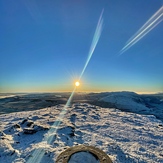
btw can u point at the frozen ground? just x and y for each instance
(125, 137)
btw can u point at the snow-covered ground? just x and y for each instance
(125, 137)
(132, 102)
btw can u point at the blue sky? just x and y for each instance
(44, 46)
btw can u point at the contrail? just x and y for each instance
(144, 30)
(146, 24)
(94, 42)
(38, 154)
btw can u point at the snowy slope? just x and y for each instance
(132, 102)
(125, 137)
(128, 100)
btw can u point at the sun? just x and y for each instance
(77, 84)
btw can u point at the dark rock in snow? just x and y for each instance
(12, 153)
(16, 126)
(29, 130)
(25, 120)
(29, 123)
(34, 129)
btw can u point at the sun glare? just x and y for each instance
(77, 83)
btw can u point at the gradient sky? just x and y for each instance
(44, 45)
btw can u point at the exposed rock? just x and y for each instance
(25, 120)
(35, 128)
(29, 130)
(16, 126)
(29, 123)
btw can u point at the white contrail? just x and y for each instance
(126, 48)
(146, 24)
(94, 42)
(144, 30)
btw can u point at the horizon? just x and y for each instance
(47, 46)
(147, 93)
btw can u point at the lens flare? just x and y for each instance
(94, 42)
(38, 153)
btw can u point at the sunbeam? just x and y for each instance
(49, 137)
(144, 30)
(94, 42)
(39, 153)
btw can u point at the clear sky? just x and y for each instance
(44, 45)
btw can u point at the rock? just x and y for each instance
(29, 123)
(25, 120)
(35, 128)
(29, 130)
(16, 126)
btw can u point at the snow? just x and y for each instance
(124, 136)
(1, 97)
(127, 100)
(132, 102)
(84, 157)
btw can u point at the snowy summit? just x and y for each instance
(125, 137)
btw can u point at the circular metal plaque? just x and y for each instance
(65, 156)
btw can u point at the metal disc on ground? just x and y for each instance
(68, 155)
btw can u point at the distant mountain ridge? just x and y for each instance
(149, 104)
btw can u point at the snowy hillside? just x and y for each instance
(132, 102)
(125, 137)
(127, 100)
